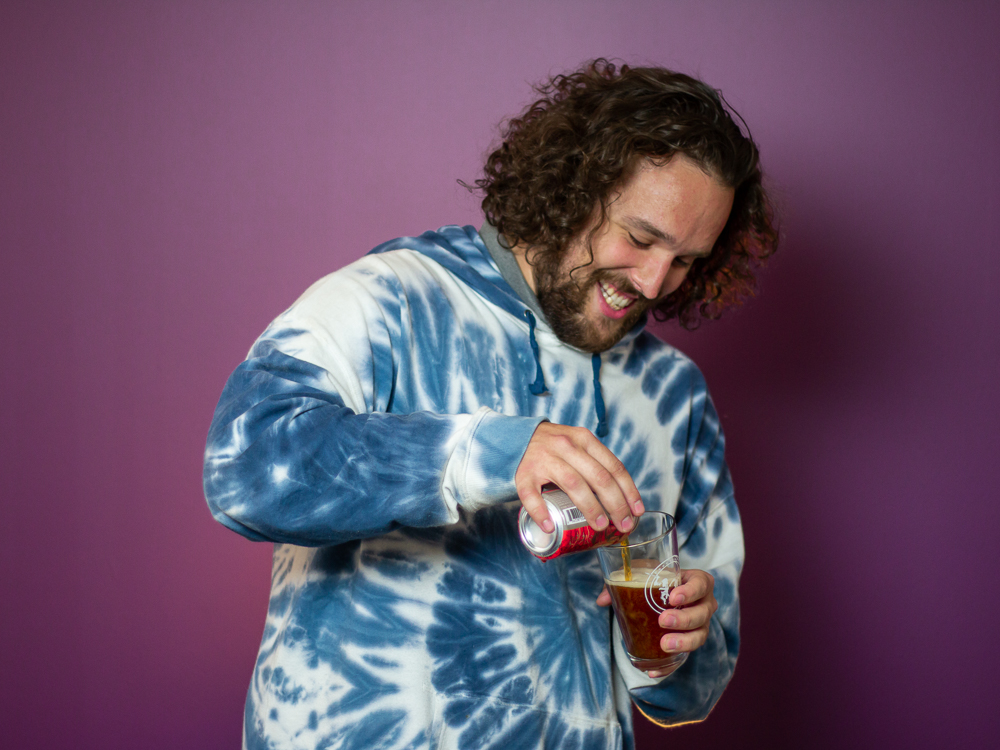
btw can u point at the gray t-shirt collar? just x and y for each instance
(496, 244)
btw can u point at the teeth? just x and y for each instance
(614, 300)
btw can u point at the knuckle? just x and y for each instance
(530, 502)
(562, 442)
(529, 497)
(572, 483)
(524, 485)
(604, 479)
(532, 505)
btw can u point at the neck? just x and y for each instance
(527, 270)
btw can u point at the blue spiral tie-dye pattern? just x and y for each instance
(373, 433)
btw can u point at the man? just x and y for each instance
(386, 429)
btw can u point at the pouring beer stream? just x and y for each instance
(626, 558)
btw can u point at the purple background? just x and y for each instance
(175, 174)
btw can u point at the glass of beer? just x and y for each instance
(640, 573)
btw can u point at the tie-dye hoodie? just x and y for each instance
(372, 434)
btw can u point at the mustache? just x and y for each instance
(622, 285)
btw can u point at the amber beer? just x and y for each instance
(637, 618)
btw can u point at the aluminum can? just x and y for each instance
(572, 533)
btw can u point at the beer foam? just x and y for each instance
(639, 578)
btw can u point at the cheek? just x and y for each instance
(619, 254)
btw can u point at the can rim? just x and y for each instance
(554, 536)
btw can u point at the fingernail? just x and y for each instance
(547, 526)
(638, 508)
(672, 645)
(677, 600)
(626, 523)
(669, 622)
(602, 521)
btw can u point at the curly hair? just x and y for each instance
(563, 157)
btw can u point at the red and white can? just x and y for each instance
(572, 533)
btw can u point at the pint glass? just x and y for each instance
(640, 594)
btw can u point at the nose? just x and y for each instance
(651, 277)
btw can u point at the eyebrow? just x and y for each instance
(644, 226)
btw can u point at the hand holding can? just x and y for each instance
(570, 533)
(594, 479)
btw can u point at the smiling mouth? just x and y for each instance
(615, 299)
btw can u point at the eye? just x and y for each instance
(682, 262)
(640, 245)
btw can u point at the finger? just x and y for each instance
(579, 491)
(575, 487)
(531, 499)
(603, 485)
(689, 618)
(581, 451)
(673, 643)
(604, 598)
(695, 585)
(618, 474)
(589, 473)
(657, 673)
(592, 487)
(553, 455)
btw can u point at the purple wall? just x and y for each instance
(174, 174)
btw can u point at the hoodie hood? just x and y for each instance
(462, 251)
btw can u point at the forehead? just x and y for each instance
(678, 178)
(676, 199)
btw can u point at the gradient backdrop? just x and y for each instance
(173, 174)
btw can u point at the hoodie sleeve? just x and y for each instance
(305, 449)
(711, 539)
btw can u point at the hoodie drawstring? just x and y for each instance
(602, 422)
(538, 387)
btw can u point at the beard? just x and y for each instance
(565, 300)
